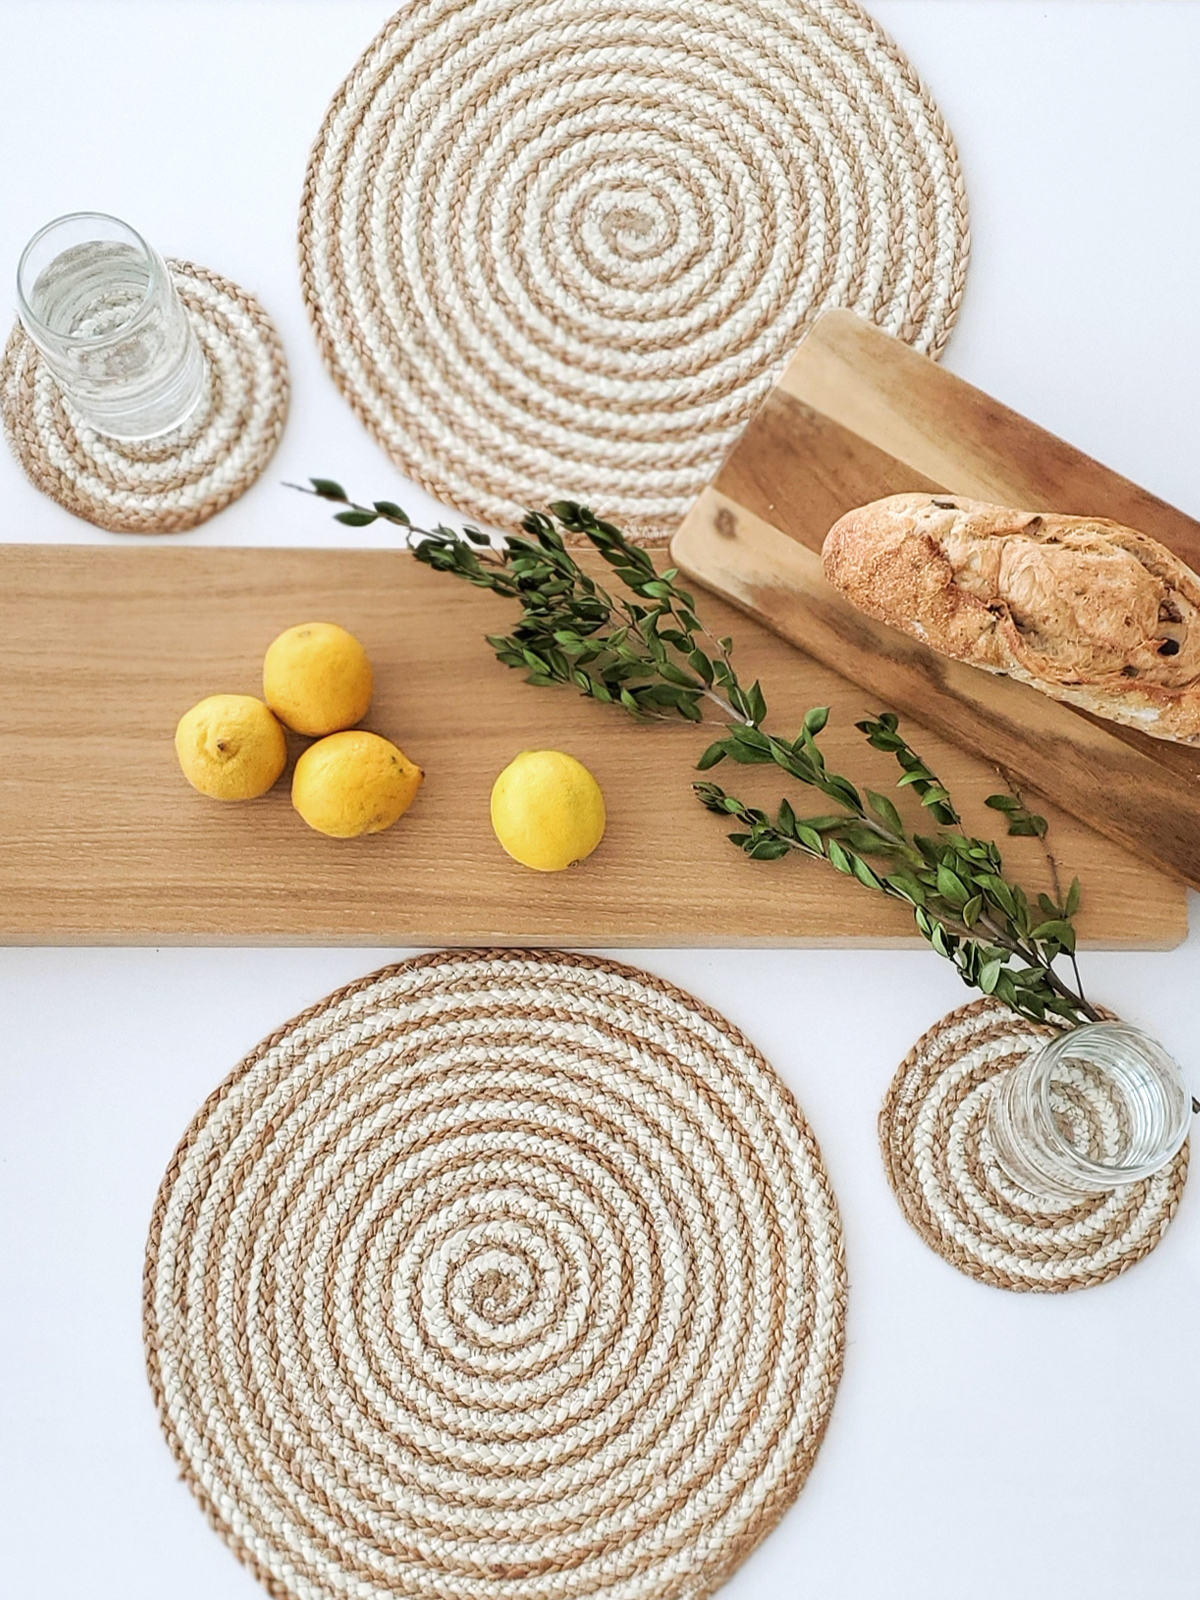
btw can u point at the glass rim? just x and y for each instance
(1050, 1053)
(85, 341)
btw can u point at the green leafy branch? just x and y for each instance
(651, 654)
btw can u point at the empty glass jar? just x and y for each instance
(1096, 1107)
(99, 304)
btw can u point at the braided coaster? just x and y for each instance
(940, 1163)
(183, 477)
(497, 1275)
(562, 248)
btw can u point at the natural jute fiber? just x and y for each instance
(497, 1276)
(182, 478)
(562, 248)
(932, 1129)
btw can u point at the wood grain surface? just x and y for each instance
(102, 841)
(857, 416)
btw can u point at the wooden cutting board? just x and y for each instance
(858, 415)
(101, 840)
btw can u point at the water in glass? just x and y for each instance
(100, 305)
(1098, 1106)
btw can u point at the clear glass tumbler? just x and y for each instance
(99, 304)
(1098, 1106)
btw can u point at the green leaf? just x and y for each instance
(863, 839)
(710, 795)
(756, 703)
(1074, 898)
(1021, 917)
(998, 892)
(701, 666)
(1059, 932)
(328, 489)
(989, 974)
(388, 508)
(908, 885)
(845, 792)
(769, 849)
(356, 519)
(951, 887)
(864, 874)
(838, 856)
(885, 811)
(748, 746)
(815, 720)
(716, 752)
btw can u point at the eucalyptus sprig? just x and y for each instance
(651, 654)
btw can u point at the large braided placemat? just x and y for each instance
(497, 1276)
(182, 478)
(562, 248)
(932, 1130)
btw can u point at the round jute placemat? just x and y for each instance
(182, 478)
(560, 249)
(498, 1275)
(939, 1161)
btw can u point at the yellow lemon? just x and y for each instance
(547, 810)
(230, 747)
(317, 678)
(352, 783)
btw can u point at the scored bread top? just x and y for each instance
(1084, 609)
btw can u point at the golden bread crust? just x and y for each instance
(1084, 609)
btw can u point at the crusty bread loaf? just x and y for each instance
(1084, 609)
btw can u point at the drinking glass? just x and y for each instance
(99, 304)
(1096, 1107)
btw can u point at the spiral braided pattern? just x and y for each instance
(562, 248)
(182, 478)
(933, 1132)
(497, 1276)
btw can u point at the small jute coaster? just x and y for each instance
(562, 248)
(939, 1161)
(498, 1275)
(182, 478)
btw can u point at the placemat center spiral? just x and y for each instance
(497, 1275)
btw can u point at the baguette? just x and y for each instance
(1083, 609)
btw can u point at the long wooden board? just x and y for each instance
(101, 840)
(858, 415)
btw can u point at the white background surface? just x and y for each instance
(984, 1444)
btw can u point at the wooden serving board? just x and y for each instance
(858, 415)
(101, 839)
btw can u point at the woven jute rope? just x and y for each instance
(932, 1130)
(497, 1275)
(182, 478)
(562, 248)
